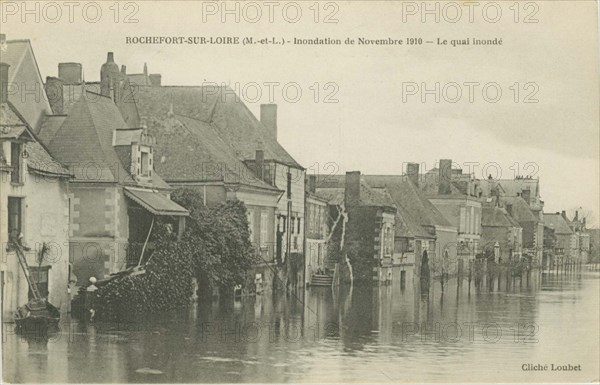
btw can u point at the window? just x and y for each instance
(289, 185)
(264, 231)
(39, 275)
(14, 217)
(251, 224)
(15, 162)
(145, 164)
(388, 241)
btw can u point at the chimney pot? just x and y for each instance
(124, 69)
(268, 118)
(352, 190)
(70, 73)
(110, 57)
(312, 184)
(4, 82)
(54, 91)
(155, 80)
(445, 176)
(412, 170)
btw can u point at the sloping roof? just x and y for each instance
(418, 216)
(49, 126)
(429, 184)
(12, 126)
(368, 195)
(190, 150)
(558, 223)
(85, 141)
(221, 108)
(415, 215)
(25, 73)
(521, 211)
(512, 187)
(494, 216)
(155, 202)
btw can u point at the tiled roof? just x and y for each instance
(24, 71)
(12, 125)
(155, 202)
(368, 195)
(558, 223)
(221, 108)
(512, 187)
(49, 126)
(419, 215)
(494, 216)
(85, 141)
(415, 215)
(521, 211)
(429, 185)
(191, 150)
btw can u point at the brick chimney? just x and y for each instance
(352, 190)
(259, 160)
(445, 176)
(70, 73)
(509, 209)
(155, 80)
(412, 170)
(526, 195)
(54, 91)
(268, 118)
(564, 215)
(312, 184)
(4, 82)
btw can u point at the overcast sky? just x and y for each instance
(371, 128)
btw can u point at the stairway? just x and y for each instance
(321, 280)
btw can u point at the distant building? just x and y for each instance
(512, 193)
(501, 235)
(420, 230)
(317, 233)
(363, 221)
(566, 241)
(456, 196)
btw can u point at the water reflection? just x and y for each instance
(482, 327)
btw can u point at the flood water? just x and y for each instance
(486, 332)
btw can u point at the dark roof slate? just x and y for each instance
(221, 108)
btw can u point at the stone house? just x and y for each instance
(565, 250)
(209, 140)
(34, 201)
(362, 222)
(456, 196)
(116, 194)
(501, 235)
(317, 232)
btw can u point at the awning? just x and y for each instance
(155, 202)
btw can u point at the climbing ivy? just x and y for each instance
(215, 248)
(166, 284)
(218, 240)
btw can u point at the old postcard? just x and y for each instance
(299, 191)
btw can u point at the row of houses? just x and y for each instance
(88, 166)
